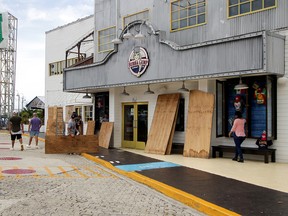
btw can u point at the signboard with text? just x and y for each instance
(4, 30)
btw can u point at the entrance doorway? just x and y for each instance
(134, 125)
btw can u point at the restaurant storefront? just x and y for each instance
(164, 63)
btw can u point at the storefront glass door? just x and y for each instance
(134, 125)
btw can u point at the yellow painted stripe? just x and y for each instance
(35, 175)
(188, 199)
(92, 171)
(64, 171)
(79, 172)
(49, 171)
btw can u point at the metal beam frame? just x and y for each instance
(8, 72)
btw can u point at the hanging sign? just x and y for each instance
(138, 61)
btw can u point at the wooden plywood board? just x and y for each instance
(67, 144)
(90, 128)
(55, 124)
(170, 143)
(69, 110)
(199, 124)
(161, 129)
(105, 134)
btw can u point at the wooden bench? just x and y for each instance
(245, 150)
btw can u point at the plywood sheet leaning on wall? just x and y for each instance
(90, 128)
(67, 144)
(55, 123)
(105, 134)
(161, 130)
(69, 110)
(199, 124)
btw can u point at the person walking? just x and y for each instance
(238, 130)
(16, 129)
(34, 129)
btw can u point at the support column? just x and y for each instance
(203, 85)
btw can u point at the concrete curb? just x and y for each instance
(188, 199)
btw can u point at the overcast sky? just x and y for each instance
(35, 17)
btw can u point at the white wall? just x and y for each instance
(282, 114)
(57, 42)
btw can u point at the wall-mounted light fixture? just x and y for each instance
(140, 35)
(117, 40)
(128, 35)
(149, 91)
(241, 85)
(183, 88)
(133, 31)
(124, 92)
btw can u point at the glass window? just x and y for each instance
(187, 13)
(105, 37)
(142, 15)
(257, 5)
(257, 104)
(269, 3)
(56, 68)
(240, 7)
(244, 8)
(88, 113)
(233, 2)
(233, 11)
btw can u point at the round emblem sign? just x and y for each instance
(138, 61)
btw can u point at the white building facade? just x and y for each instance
(202, 45)
(61, 44)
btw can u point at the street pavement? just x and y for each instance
(35, 183)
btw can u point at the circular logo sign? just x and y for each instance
(138, 61)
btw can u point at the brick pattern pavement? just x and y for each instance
(101, 192)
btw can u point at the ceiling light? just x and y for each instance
(149, 91)
(124, 92)
(183, 88)
(241, 85)
(86, 96)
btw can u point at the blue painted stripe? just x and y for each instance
(146, 166)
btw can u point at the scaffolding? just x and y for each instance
(8, 72)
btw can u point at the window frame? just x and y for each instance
(109, 36)
(136, 15)
(88, 114)
(60, 65)
(271, 109)
(250, 6)
(197, 5)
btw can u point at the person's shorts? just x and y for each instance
(14, 136)
(34, 133)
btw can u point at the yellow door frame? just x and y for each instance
(135, 144)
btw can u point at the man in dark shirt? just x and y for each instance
(16, 129)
